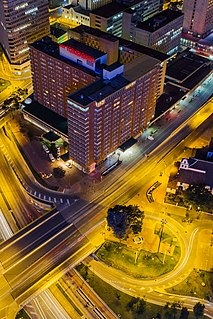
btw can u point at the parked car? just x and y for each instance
(45, 148)
(51, 157)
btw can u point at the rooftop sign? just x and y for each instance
(78, 53)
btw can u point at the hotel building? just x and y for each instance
(105, 86)
(22, 22)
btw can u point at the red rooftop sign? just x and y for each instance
(78, 53)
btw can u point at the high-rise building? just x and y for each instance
(161, 32)
(105, 86)
(198, 17)
(22, 22)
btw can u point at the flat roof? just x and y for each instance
(184, 64)
(51, 136)
(159, 20)
(122, 42)
(98, 90)
(126, 145)
(80, 46)
(50, 47)
(109, 10)
(57, 32)
(139, 66)
(47, 116)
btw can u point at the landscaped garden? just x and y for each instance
(137, 263)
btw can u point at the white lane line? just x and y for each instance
(55, 200)
(39, 195)
(35, 193)
(61, 200)
(44, 197)
(49, 199)
(68, 202)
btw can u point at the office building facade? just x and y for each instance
(198, 17)
(21, 24)
(161, 32)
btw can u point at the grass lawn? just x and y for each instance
(147, 265)
(194, 285)
(118, 300)
(4, 84)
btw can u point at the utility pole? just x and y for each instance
(163, 223)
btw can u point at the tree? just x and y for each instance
(58, 172)
(198, 310)
(199, 196)
(123, 218)
(141, 306)
(184, 313)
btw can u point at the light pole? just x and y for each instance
(163, 222)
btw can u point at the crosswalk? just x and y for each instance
(36, 194)
(51, 199)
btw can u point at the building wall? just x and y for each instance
(198, 17)
(112, 25)
(165, 39)
(93, 4)
(21, 24)
(53, 80)
(74, 17)
(100, 128)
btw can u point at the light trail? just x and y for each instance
(5, 229)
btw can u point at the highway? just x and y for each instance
(71, 221)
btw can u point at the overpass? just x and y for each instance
(31, 258)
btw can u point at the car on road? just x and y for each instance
(150, 137)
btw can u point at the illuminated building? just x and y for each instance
(161, 32)
(75, 15)
(105, 86)
(55, 76)
(22, 22)
(198, 17)
(111, 18)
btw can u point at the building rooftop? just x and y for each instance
(159, 20)
(46, 45)
(98, 90)
(199, 172)
(122, 42)
(57, 32)
(109, 10)
(184, 65)
(51, 137)
(47, 116)
(80, 46)
(139, 66)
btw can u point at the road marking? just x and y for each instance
(49, 198)
(44, 197)
(35, 193)
(61, 200)
(68, 202)
(39, 195)
(55, 200)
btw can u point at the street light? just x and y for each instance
(163, 222)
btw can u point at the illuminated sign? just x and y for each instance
(78, 53)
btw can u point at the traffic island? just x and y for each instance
(137, 263)
(198, 284)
